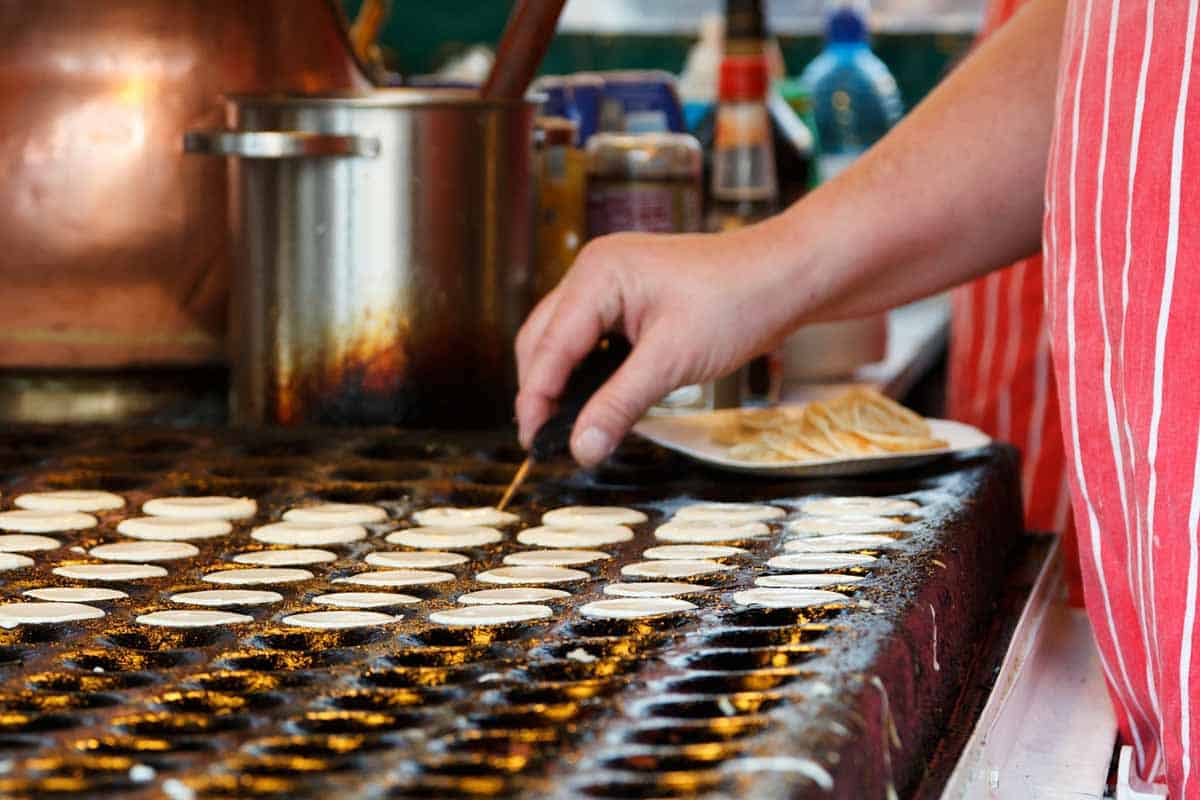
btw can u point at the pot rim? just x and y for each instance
(398, 97)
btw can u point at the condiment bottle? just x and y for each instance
(745, 188)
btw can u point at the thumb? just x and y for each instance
(640, 382)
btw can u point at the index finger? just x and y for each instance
(580, 317)
(532, 330)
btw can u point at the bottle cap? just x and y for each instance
(743, 78)
(744, 19)
(846, 26)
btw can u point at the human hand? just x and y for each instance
(694, 306)
(902, 222)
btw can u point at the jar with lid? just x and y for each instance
(643, 182)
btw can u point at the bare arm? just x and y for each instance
(953, 192)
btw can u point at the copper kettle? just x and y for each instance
(113, 245)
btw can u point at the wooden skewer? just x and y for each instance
(517, 480)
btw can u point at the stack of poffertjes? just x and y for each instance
(860, 422)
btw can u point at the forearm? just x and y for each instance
(954, 191)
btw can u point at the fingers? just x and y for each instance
(641, 381)
(563, 329)
(543, 337)
(531, 331)
(575, 324)
(532, 411)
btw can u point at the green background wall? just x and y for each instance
(421, 35)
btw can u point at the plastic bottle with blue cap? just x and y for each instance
(855, 98)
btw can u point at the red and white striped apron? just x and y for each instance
(1001, 380)
(1122, 244)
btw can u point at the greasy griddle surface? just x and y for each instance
(665, 708)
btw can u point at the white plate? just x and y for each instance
(691, 434)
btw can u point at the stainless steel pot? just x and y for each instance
(382, 259)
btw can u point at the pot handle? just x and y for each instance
(278, 144)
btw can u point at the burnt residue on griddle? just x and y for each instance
(674, 707)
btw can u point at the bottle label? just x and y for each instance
(741, 174)
(743, 162)
(653, 208)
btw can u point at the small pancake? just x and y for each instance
(144, 552)
(227, 597)
(687, 552)
(365, 599)
(74, 594)
(445, 538)
(192, 618)
(803, 580)
(29, 521)
(22, 613)
(261, 575)
(532, 575)
(819, 562)
(70, 500)
(173, 529)
(554, 558)
(110, 572)
(858, 507)
(26, 543)
(337, 514)
(654, 589)
(472, 616)
(635, 607)
(407, 559)
(690, 568)
(840, 543)
(543, 536)
(571, 517)
(448, 517)
(699, 531)
(728, 513)
(787, 598)
(512, 595)
(308, 534)
(210, 507)
(297, 557)
(14, 561)
(398, 577)
(831, 526)
(332, 620)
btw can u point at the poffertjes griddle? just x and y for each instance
(842, 700)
